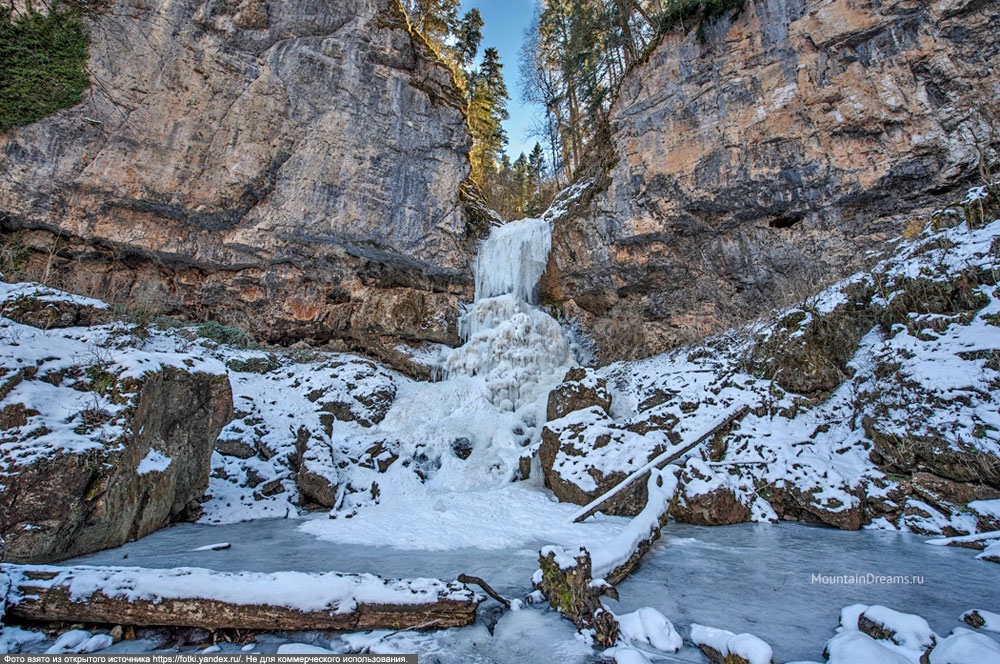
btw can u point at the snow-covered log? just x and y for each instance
(641, 475)
(574, 581)
(190, 597)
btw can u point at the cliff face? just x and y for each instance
(752, 168)
(293, 167)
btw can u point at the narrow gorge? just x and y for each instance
(275, 378)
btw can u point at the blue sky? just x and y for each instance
(506, 21)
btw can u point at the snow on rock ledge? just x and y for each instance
(900, 433)
(101, 443)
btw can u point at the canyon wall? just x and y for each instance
(750, 168)
(293, 168)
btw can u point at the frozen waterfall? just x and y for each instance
(512, 259)
(519, 349)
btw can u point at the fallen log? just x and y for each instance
(189, 597)
(574, 581)
(640, 475)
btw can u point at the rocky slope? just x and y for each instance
(291, 167)
(749, 169)
(100, 443)
(874, 403)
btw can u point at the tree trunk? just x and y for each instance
(218, 600)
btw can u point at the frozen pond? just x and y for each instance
(757, 578)
(750, 577)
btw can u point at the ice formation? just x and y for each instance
(519, 349)
(512, 260)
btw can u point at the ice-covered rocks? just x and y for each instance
(723, 647)
(649, 626)
(977, 618)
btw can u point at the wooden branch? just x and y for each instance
(288, 601)
(466, 579)
(659, 462)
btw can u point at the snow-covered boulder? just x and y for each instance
(581, 389)
(48, 309)
(964, 647)
(79, 641)
(988, 512)
(977, 618)
(586, 454)
(991, 553)
(317, 478)
(100, 443)
(647, 625)
(723, 647)
(853, 647)
(904, 629)
(706, 498)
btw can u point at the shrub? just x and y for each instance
(224, 334)
(701, 12)
(43, 60)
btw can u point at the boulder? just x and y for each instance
(64, 502)
(581, 388)
(904, 629)
(706, 500)
(584, 455)
(792, 503)
(316, 478)
(39, 307)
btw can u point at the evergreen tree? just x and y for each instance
(437, 20)
(487, 112)
(468, 37)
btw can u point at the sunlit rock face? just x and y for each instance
(293, 167)
(752, 167)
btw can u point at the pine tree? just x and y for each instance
(468, 36)
(487, 112)
(436, 20)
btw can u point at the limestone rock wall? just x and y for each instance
(290, 167)
(752, 168)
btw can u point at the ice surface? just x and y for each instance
(496, 519)
(758, 578)
(754, 578)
